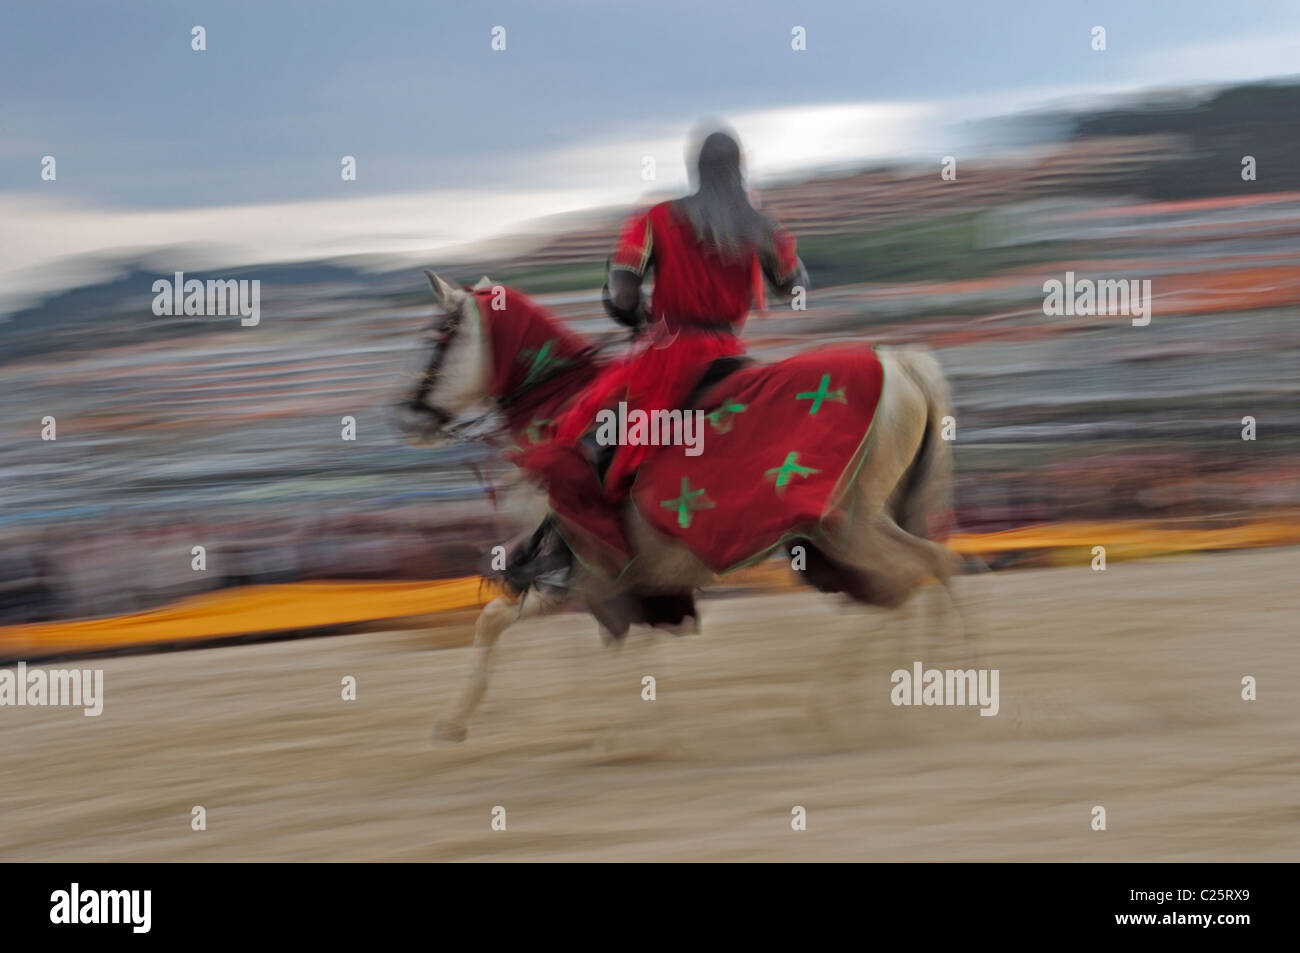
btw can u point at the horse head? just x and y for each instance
(456, 369)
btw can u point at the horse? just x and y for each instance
(900, 496)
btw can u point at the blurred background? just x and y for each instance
(519, 163)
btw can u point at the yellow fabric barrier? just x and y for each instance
(313, 605)
(1129, 538)
(256, 609)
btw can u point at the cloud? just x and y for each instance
(581, 175)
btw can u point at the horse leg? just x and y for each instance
(972, 624)
(674, 613)
(923, 559)
(891, 564)
(497, 616)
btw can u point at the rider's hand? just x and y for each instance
(636, 319)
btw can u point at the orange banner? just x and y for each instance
(316, 605)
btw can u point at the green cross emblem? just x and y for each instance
(821, 394)
(687, 502)
(542, 360)
(790, 468)
(720, 419)
(534, 429)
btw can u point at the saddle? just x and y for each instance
(545, 561)
(601, 456)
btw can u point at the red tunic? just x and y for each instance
(694, 284)
(700, 301)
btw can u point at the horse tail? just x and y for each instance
(924, 504)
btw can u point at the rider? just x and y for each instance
(709, 252)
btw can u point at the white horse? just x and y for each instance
(903, 489)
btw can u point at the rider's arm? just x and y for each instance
(623, 299)
(781, 266)
(627, 267)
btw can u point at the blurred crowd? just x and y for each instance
(123, 566)
(231, 438)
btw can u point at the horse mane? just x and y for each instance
(517, 325)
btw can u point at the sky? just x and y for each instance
(235, 151)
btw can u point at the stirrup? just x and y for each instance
(544, 561)
(598, 455)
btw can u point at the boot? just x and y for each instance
(542, 561)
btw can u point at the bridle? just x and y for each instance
(486, 426)
(442, 336)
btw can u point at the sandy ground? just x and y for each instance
(1120, 689)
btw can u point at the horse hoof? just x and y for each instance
(690, 625)
(610, 639)
(450, 731)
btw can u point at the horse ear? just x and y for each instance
(449, 296)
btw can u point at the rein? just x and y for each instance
(462, 431)
(470, 431)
